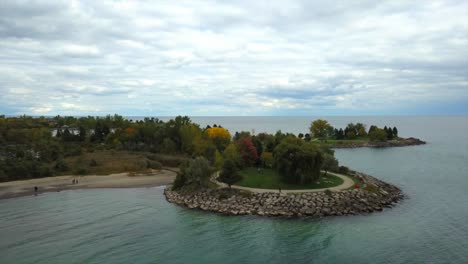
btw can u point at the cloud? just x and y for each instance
(233, 58)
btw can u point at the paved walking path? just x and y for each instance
(347, 183)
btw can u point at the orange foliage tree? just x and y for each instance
(220, 137)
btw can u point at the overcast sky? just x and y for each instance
(222, 58)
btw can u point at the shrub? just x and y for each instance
(167, 160)
(45, 171)
(81, 171)
(61, 165)
(152, 164)
(179, 181)
(328, 192)
(93, 163)
(343, 170)
(371, 188)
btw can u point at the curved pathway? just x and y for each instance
(347, 183)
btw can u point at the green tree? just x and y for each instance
(232, 153)
(378, 135)
(229, 173)
(297, 162)
(198, 171)
(395, 132)
(329, 163)
(188, 134)
(321, 129)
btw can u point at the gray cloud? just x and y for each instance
(225, 58)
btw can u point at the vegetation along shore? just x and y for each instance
(272, 174)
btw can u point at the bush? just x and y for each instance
(93, 163)
(152, 164)
(343, 170)
(167, 160)
(371, 188)
(81, 171)
(328, 192)
(3, 176)
(179, 181)
(61, 165)
(45, 171)
(72, 150)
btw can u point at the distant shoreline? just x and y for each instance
(369, 144)
(14, 189)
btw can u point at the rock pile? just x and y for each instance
(319, 204)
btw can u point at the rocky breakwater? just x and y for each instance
(315, 204)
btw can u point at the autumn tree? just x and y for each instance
(320, 129)
(247, 151)
(220, 137)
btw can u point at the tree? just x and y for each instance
(220, 137)
(232, 153)
(218, 160)
(321, 129)
(351, 131)
(247, 151)
(267, 159)
(188, 134)
(395, 132)
(329, 163)
(360, 130)
(229, 173)
(372, 128)
(82, 133)
(298, 162)
(378, 135)
(389, 133)
(198, 171)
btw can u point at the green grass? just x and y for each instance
(270, 179)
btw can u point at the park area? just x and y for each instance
(271, 179)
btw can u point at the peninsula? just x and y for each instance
(278, 174)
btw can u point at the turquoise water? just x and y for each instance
(139, 226)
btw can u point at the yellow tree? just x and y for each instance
(321, 129)
(220, 137)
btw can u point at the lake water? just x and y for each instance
(139, 226)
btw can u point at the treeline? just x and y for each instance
(38, 147)
(321, 129)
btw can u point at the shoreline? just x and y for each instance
(14, 189)
(302, 204)
(406, 142)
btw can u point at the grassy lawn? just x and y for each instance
(270, 179)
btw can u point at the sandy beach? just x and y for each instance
(59, 183)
